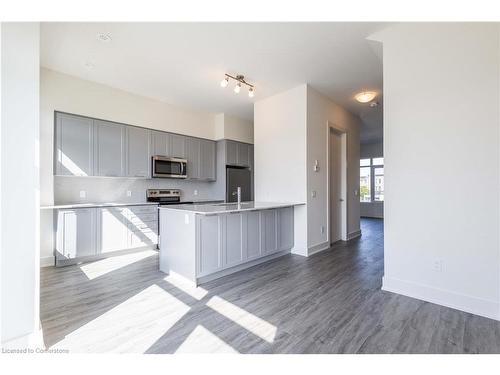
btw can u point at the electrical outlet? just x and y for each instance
(195, 192)
(129, 193)
(313, 194)
(438, 265)
(322, 229)
(83, 194)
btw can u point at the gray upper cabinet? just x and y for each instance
(207, 160)
(160, 143)
(89, 147)
(231, 153)
(243, 155)
(109, 149)
(193, 158)
(177, 146)
(73, 154)
(238, 153)
(137, 152)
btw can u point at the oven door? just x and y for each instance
(164, 167)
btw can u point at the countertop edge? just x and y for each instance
(243, 209)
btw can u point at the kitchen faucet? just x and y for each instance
(238, 192)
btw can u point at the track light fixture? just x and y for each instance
(240, 80)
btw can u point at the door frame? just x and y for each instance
(332, 127)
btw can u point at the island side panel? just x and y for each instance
(178, 243)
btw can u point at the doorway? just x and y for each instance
(337, 184)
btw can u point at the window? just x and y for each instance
(371, 180)
(365, 180)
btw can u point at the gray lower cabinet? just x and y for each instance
(285, 230)
(109, 155)
(137, 152)
(73, 153)
(251, 239)
(209, 246)
(96, 232)
(269, 229)
(75, 234)
(233, 239)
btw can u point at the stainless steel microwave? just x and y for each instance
(165, 167)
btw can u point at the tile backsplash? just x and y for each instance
(114, 189)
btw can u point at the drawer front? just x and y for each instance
(151, 209)
(138, 218)
(144, 226)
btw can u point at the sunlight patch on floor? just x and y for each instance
(201, 340)
(186, 286)
(249, 321)
(104, 266)
(130, 327)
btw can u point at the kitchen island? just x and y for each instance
(204, 242)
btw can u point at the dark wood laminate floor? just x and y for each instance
(328, 303)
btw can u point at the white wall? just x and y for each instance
(280, 155)
(441, 149)
(230, 127)
(290, 131)
(372, 150)
(320, 111)
(20, 281)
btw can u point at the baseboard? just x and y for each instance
(353, 235)
(47, 261)
(33, 340)
(478, 306)
(318, 248)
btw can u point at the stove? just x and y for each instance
(164, 196)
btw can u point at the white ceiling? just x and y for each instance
(183, 63)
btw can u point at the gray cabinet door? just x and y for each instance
(233, 233)
(252, 234)
(109, 155)
(74, 146)
(193, 158)
(75, 233)
(268, 230)
(208, 244)
(112, 230)
(243, 157)
(137, 152)
(207, 160)
(160, 143)
(177, 146)
(231, 153)
(285, 228)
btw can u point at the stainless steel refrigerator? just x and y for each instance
(238, 177)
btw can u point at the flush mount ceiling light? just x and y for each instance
(104, 37)
(365, 96)
(240, 80)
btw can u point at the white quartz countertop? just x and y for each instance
(94, 204)
(222, 208)
(118, 204)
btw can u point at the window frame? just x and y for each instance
(372, 167)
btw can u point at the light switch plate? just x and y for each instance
(83, 193)
(195, 192)
(129, 193)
